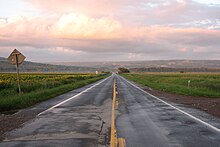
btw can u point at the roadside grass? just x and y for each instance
(201, 84)
(39, 87)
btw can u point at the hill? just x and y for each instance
(154, 65)
(147, 64)
(6, 66)
(135, 66)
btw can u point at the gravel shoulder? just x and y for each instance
(9, 122)
(209, 105)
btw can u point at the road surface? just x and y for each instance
(82, 118)
(145, 121)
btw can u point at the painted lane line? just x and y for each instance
(72, 97)
(113, 140)
(189, 115)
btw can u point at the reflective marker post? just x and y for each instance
(189, 84)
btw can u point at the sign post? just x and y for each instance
(17, 58)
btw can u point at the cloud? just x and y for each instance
(138, 12)
(89, 34)
(84, 6)
(75, 26)
(65, 51)
(28, 25)
(132, 29)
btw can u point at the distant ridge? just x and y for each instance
(154, 65)
(147, 64)
(6, 66)
(135, 66)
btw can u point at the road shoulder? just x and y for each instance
(209, 105)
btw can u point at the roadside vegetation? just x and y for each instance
(123, 70)
(190, 84)
(39, 87)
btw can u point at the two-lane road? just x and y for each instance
(82, 118)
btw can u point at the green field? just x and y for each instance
(39, 87)
(201, 84)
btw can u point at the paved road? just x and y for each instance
(82, 121)
(147, 122)
(82, 118)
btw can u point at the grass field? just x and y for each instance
(201, 84)
(39, 87)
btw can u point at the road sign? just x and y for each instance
(16, 58)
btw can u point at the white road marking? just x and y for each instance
(189, 115)
(72, 97)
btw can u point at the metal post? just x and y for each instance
(18, 79)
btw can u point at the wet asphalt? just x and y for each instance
(141, 119)
(81, 122)
(147, 122)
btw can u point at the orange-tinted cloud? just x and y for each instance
(24, 27)
(132, 27)
(91, 7)
(73, 26)
(30, 31)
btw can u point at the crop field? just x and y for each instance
(201, 84)
(38, 87)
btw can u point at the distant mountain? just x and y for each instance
(3, 59)
(154, 65)
(147, 64)
(135, 66)
(6, 66)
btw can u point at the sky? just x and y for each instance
(110, 30)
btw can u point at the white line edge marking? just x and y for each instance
(72, 97)
(189, 115)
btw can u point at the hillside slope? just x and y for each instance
(147, 64)
(6, 66)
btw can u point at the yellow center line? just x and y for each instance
(115, 142)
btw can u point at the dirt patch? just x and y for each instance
(10, 121)
(210, 105)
